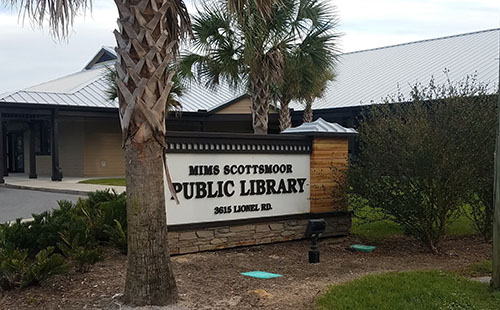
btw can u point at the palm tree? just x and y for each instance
(310, 63)
(316, 90)
(247, 49)
(173, 105)
(147, 44)
(243, 50)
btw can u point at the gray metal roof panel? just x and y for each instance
(365, 77)
(320, 126)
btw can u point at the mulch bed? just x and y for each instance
(212, 280)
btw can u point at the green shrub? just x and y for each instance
(31, 251)
(83, 256)
(481, 211)
(418, 160)
(44, 230)
(101, 210)
(118, 237)
(18, 270)
(88, 220)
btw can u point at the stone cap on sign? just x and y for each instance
(320, 127)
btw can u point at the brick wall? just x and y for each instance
(204, 239)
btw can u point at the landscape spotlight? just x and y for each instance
(314, 229)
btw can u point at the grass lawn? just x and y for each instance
(479, 269)
(376, 231)
(382, 229)
(410, 290)
(110, 181)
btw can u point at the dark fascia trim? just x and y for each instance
(237, 117)
(33, 108)
(341, 110)
(240, 136)
(225, 105)
(302, 216)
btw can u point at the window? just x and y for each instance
(42, 138)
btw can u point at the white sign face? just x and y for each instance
(221, 187)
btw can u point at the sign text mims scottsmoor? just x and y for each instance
(246, 187)
(220, 187)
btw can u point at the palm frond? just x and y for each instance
(178, 87)
(263, 7)
(178, 23)
(110, 75)
(60, 14)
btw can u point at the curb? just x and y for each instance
(50, 190)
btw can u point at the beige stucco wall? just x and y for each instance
(239, 107)
(71, 139)
(242, 107)
(88, 147)
(102, 154)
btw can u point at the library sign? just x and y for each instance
(225, 187)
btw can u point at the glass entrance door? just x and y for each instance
(15, 152)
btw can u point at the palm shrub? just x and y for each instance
(422, 158)
(43, 231)
(74, 230)
(118, 236)
(83, 256)
(87, 221)
(100, 211)
(17, 269)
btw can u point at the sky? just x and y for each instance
(29, 56)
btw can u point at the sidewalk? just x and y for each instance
(69, 185)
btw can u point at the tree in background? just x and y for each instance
(422, 159)
(310, 60)
(249, 51)
(173, 104)
(316, 90)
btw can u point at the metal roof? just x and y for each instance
(363, 77)
(88, 89)
(83, 89)
(321, 127)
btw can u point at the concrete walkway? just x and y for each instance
(68, 185)
(23, 203)
(486, 280)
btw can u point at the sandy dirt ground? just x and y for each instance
(212, 280)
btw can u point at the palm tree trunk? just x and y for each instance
(145, 50)
(285, 118)
(150, 280)
(308, 112)
(260, 104)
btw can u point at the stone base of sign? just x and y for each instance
(192, 239)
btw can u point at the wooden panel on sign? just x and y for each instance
(328, 160)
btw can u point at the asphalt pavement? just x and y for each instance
(21, 203)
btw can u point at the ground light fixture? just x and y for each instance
(313, 231)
